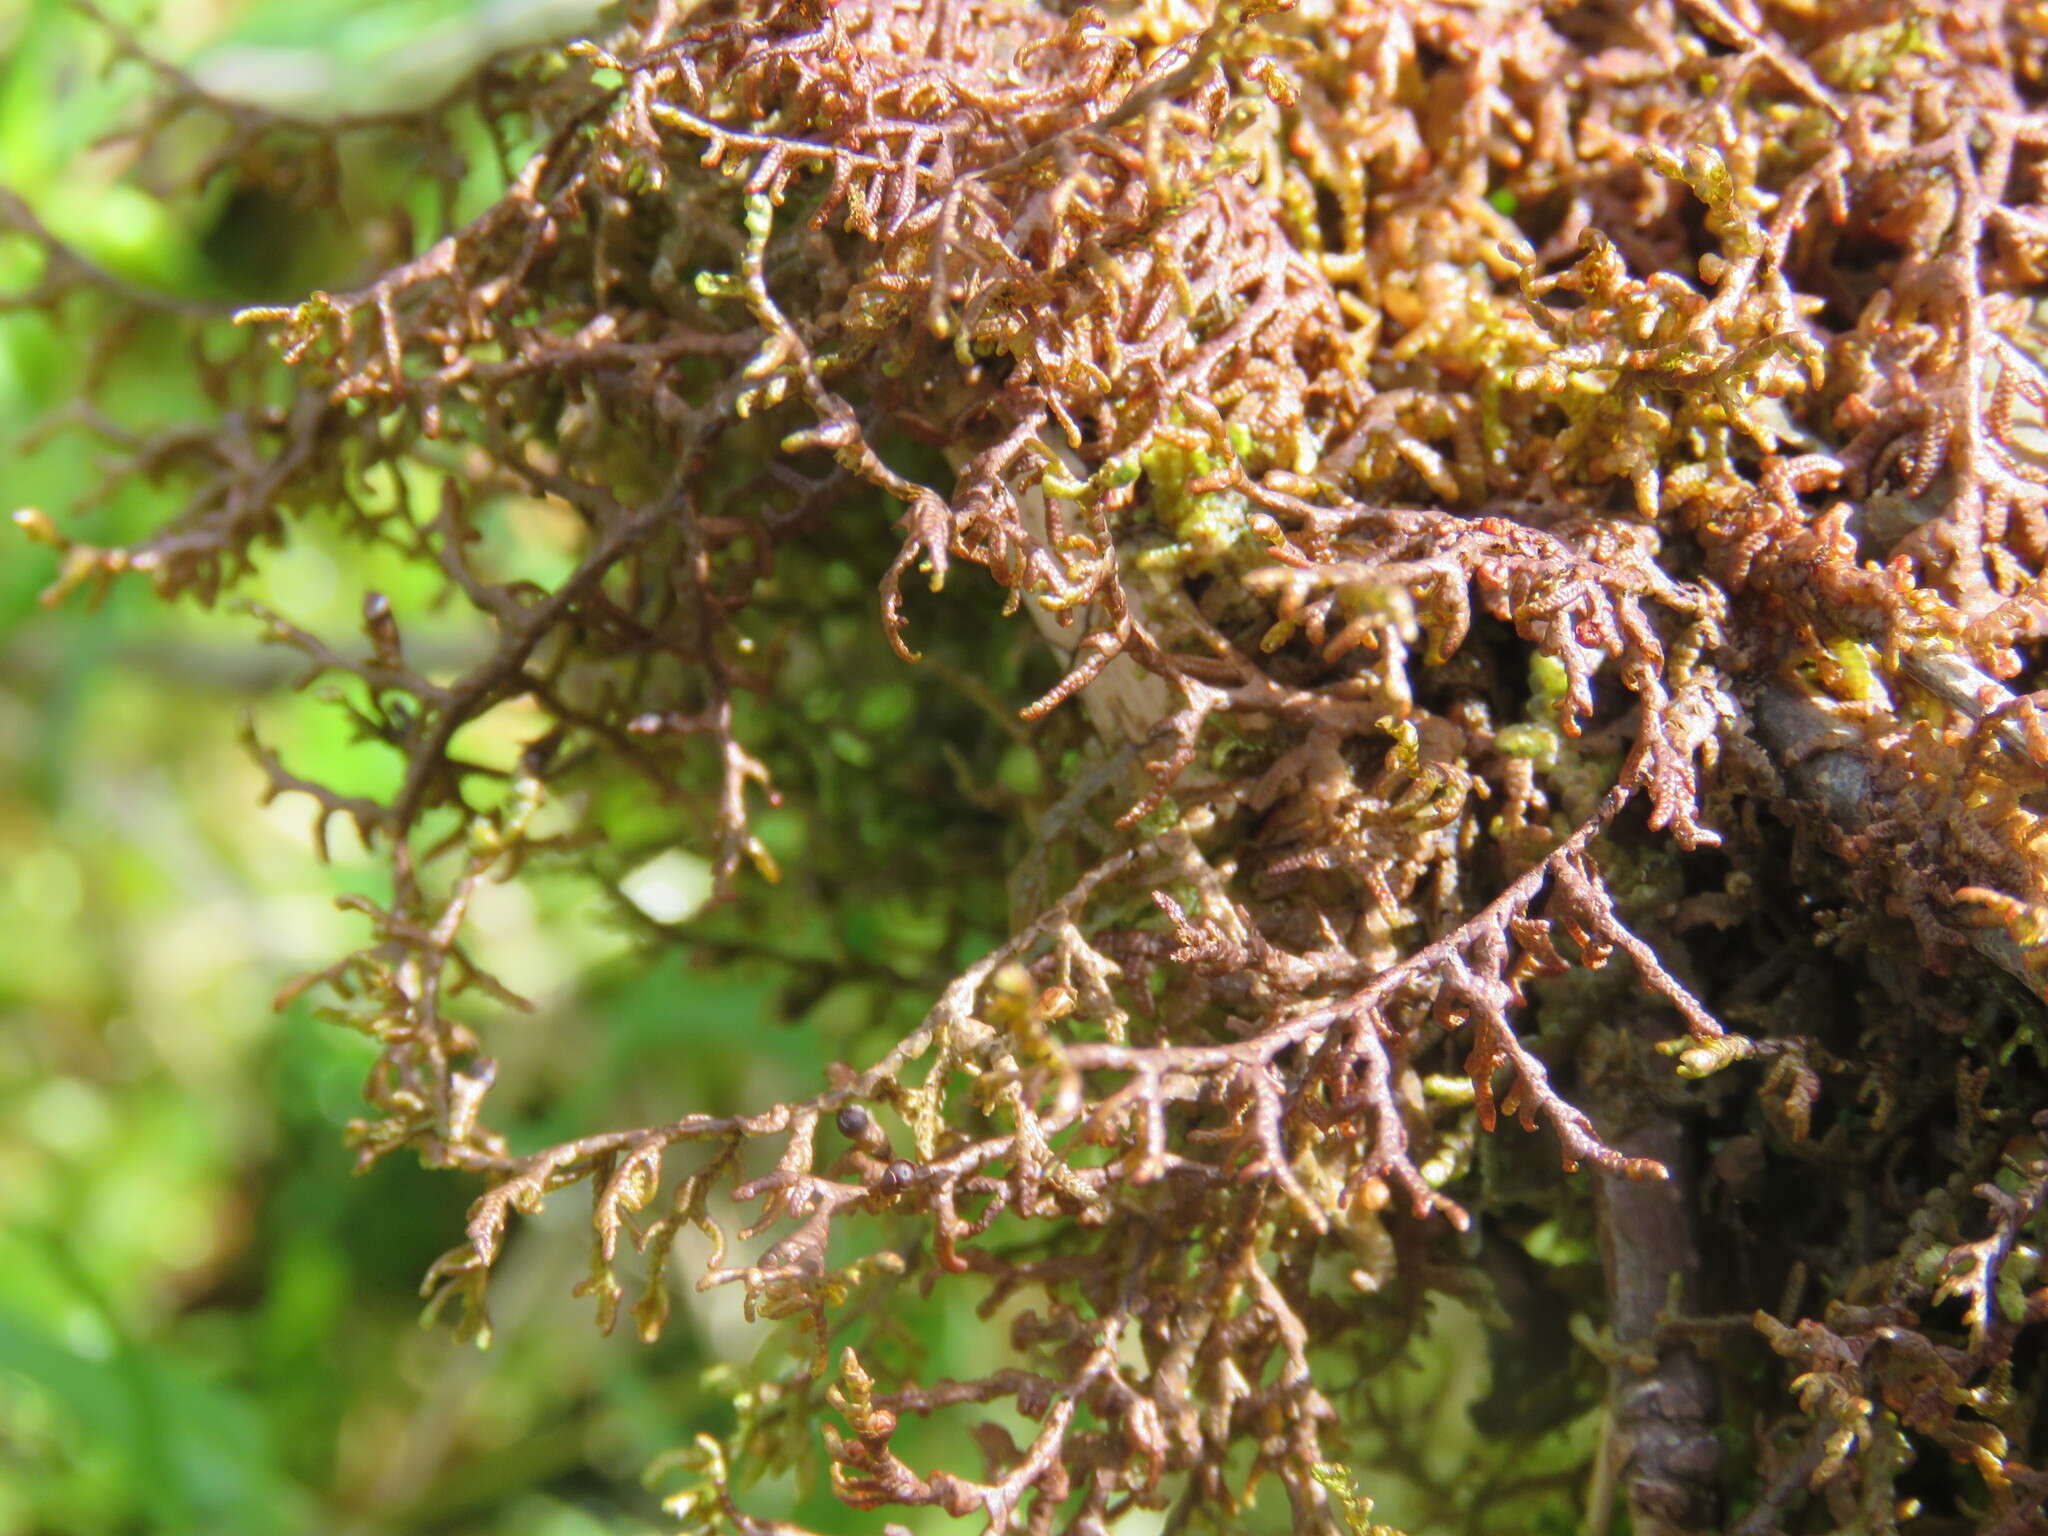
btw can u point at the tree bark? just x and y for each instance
(1662, 1397)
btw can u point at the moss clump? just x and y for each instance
(1429, 444)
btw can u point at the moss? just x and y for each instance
(1223, 347)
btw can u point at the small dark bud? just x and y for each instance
(862, 1129)
(539, 755)
(898, 1174)
(382, 628)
